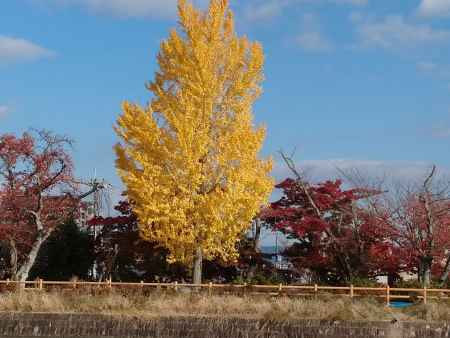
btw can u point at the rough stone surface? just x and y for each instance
(82, 325)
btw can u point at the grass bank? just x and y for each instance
(174, 305)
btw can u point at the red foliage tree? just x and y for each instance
(37, 193)
(337, 236)
(421, 217)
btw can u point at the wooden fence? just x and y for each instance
(387, 293)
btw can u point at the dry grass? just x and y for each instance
(156, 304)
(160, 304)
(435, 312)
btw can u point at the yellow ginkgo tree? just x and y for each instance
(190, 160)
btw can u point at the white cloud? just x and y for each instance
(126, 8)
(393, 32)
(352, 2)
(318, 170)
(4, 111)
(356, 17)
(311, 38)
(337, 2)
(437, 70)
(440, 129)
(426, 66)
(133, 8)
(253, 10)
(262, 10)
(432, 8)
(20, 50)
(265, 10)
(314, 42)
(441, 132)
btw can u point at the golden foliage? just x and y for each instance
(190, 159)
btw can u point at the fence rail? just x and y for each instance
(388, 293)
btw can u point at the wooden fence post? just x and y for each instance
(242, 289)
(388, 295)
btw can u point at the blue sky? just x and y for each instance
(362, 83)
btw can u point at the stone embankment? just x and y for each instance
(92, 326)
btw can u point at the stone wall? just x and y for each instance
(81, 325)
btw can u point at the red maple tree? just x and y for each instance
(421, 217)
(335, 238)
(338, 235)
(37, 193)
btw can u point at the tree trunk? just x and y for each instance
(24, 270)
(444, 276)
(425, 270)
(197, 270)
(256, 241)
(257, 235)
(12, 258)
